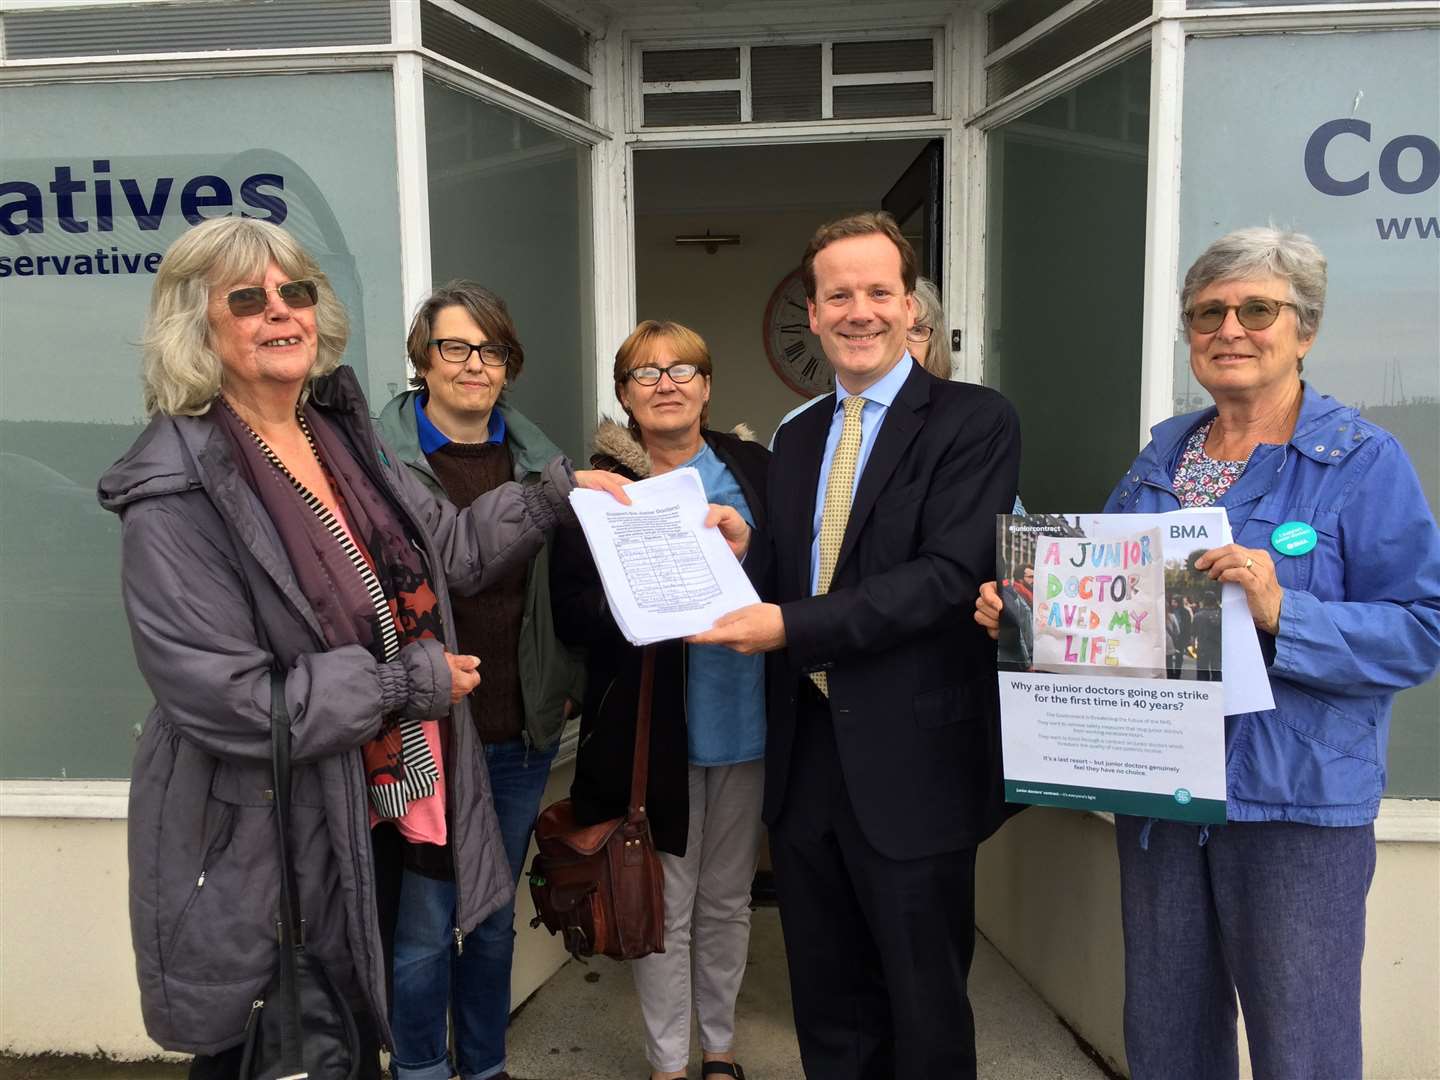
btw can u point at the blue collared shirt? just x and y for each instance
(878, 399)
(432, 438)
(724, 691)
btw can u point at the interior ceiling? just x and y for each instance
(790, 176)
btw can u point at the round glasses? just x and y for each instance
(455, 351)
(649, 375)
(251, 300)
(919, 333)
(1256, 313)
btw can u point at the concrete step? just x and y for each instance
(584, 1024)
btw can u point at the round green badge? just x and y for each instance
(1293, 538)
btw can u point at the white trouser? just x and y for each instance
(707, 902)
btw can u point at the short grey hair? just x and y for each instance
(1265, 252)
(930, 311)
(180, 369)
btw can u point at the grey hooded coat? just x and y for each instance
(213, 604)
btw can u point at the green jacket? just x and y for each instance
(549, 670)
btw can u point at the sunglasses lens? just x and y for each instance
(1257, 314)
(1207, 319)
(249, 301)
(299, 294)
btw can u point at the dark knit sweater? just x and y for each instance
(487, 625)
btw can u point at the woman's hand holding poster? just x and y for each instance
(1109, 663)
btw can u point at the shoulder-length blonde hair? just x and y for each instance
(688, 347)
(180, 368)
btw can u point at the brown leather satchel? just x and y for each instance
(601, 887)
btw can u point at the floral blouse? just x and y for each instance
(1199, 479)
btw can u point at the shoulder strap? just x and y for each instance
(290, 929)
(640, 771)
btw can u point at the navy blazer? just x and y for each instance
(913, 690)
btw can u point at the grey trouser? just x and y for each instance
(707, 909)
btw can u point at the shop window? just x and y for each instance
(1355, 166)
(77, 271)
(1024, 46)
(510, 208)
(539, 25)
(1065, 284)
(453, 37)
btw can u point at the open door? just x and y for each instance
(914, 200)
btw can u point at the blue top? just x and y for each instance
(432, 438)
(878, 399)
(1360, 614)
(724, 691)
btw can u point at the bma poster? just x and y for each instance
(1109, 660)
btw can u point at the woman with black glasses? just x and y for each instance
(707, 737)
(458, 435)
(268, 535)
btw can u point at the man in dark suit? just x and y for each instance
(883, 752)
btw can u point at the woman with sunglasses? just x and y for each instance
(267, 534)
(707, 738)
(457, 433)
(1339, 557)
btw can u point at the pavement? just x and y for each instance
(584, 1024)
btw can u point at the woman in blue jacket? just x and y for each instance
(1339, 557)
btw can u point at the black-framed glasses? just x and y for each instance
(1254, 313)
(649, 374)
(918, 333)
(455, 351)
(251, 300)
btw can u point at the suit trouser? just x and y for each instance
(879, 949)
(707, 913)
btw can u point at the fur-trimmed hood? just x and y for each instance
(616, 443)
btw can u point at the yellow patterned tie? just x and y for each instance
(838, 489)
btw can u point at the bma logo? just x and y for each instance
(1188, 532)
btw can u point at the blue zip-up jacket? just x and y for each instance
(1360, 618)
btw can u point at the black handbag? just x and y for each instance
(301, 1028)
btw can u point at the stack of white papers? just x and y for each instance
(665, 574)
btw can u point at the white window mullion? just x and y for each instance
(693, 86)
(1162, 226)
(827, 86)
(413, 183)
(882, 78)
(745, 84)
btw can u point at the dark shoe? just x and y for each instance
(722, 1068)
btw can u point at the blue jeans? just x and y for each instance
(476, 982)
(1273, 911)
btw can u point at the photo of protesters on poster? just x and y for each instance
(1104, 600)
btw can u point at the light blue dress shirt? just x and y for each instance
(878, 399)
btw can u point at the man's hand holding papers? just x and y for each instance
(669, 560)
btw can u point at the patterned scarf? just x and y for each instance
(373, 592)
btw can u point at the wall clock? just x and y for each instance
(794, 352)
